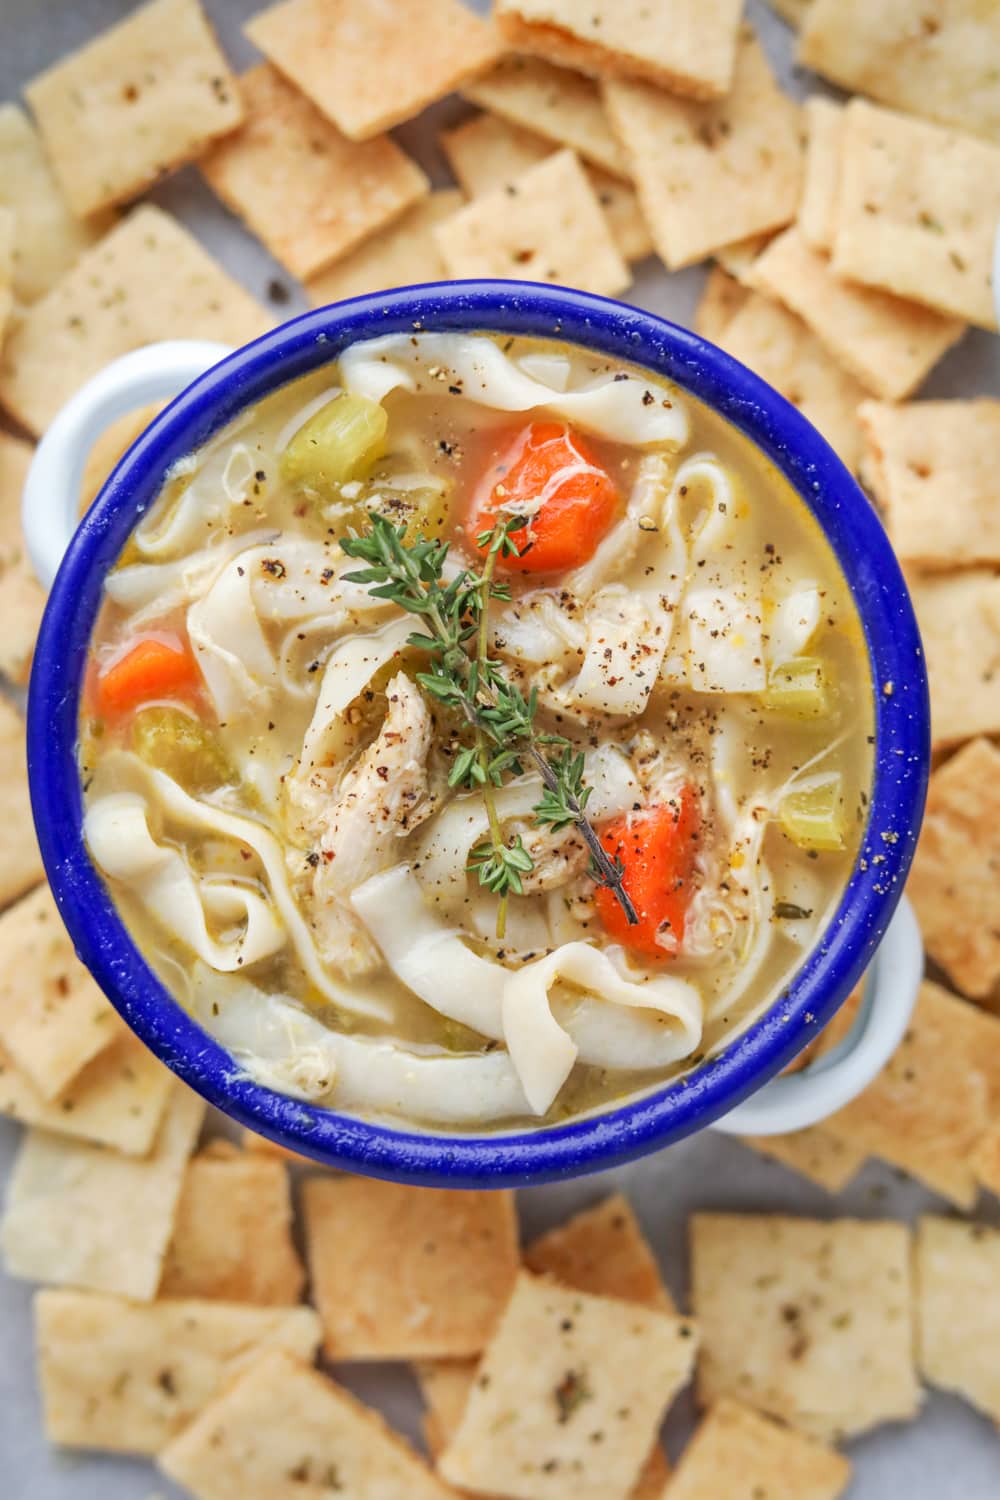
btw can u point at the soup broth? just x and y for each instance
(529, 803)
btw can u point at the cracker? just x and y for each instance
(233, 1233)
(563, 1365)
(251, 1141)
(738, 257)
(546, 226)
(886, 343)
(808, 1321)
(709, 174)
(108, 447)
(128, 1377)
(917, 211)
(720, 301)
(777, 345)
(792, 11)
(958, 1309)
(602, 1250)
(738, 1454)
(402, 255)
(955, 880)
(986, 1160)
(931, 1103)
(20, 861)
(688, 46)
(959, 621)
(48, 237)
(299, 184)
(148, 279)
(933, 466)
(561, 105)
(461, 1263)
(79, 1215)
(367, 67)
(6, 267)
(283, 1429)
(53, 1017)
(814, 1153)
(939, 61)
(821, 179)
(142, 98)
(23, 595)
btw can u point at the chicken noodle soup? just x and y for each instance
(477, 730)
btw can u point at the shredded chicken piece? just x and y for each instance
(559, 856)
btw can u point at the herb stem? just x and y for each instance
(608, 872)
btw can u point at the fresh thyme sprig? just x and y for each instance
(462, 676)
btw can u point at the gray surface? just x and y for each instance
(950, 1453)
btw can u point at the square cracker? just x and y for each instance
(461, 1263)
(959, 618)
(958, 1309)
(401, 255)
(303, 188)
(777, 345)
(602, 1250)
(546, 226)
(117, 1100)
(720, 301)
(986, 1160)
(709, 174)
(936, 60)
(563, 106)
(24, 597)
(53, 1017)
(933, 467)
(48, 237)
(821, 178)
(886, 343)
(808, 1321)
(142, 98)
(80, 1215)
(128, 1377)
(792, 11)
(282, 1429)
(20, 861)
(917, 211)
(369, 66)
(233, 1233)
(955, 880)
(562, 1366)
(813, 1152)
(148, 279)
(932, 1101)
(738, 1454)
(688, 46)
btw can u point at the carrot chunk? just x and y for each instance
(151, 669)
(569, 498)
(657, 849)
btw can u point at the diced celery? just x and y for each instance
(423, 509)
(814, 819)
(173, 741)
(337, 444)
(799, 688)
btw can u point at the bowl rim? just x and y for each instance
(619, 1132)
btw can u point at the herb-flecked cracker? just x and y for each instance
(370, 66)
(936, 60)
(959, 618)
(461, 1263)
(400, 255)
(142, 98)
(957, 1267)
(917, 211)
(127, 1377)
(20, 862)
(79, 1215)
(814, 1152)
(738, 1454)
(821, 179)
(687, 47)
(284, 1429)
(888, 344)
(303, 187)
(563, 106)
(933, 466)
(546, 226)
(23, 595)
(709, 174)
(148, 279)
(563, 1366)
(602, 1250)
(721, 300)
(808, 1321)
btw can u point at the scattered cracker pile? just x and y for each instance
(849, 243)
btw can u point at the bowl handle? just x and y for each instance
(794, 1100)
(50, 508)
